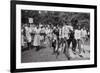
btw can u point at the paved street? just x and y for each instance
(45, 54)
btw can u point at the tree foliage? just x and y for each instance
(56, 18)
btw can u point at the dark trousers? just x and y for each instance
(29, 45)
(54, 45)
(64, 43)
(74, 43)
(79, 45)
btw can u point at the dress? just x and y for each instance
(36, 41)
(28, 34)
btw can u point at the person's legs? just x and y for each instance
(57, 48)
(37, 48)
(32, 45)
(50, 42)
(63, 44)
(83, 42)
(60, 46)
(79, 47)
(74, 44)
(66, 49)
(54, 46)
(29, 45)
(68, 42)
(57, 41)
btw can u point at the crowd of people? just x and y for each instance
(59, 38)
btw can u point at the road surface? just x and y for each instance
(45, 55)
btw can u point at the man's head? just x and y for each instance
(83, 28)
(74, 21)
(79, 27)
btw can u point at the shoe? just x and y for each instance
(74, 52)
(68, 58)
(83, 51)
(80, 55)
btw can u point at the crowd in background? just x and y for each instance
(58, 38)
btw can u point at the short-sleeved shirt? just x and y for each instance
(65, 32)
(84, 33)
(77, 34)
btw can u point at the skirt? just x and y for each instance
(36, 41)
